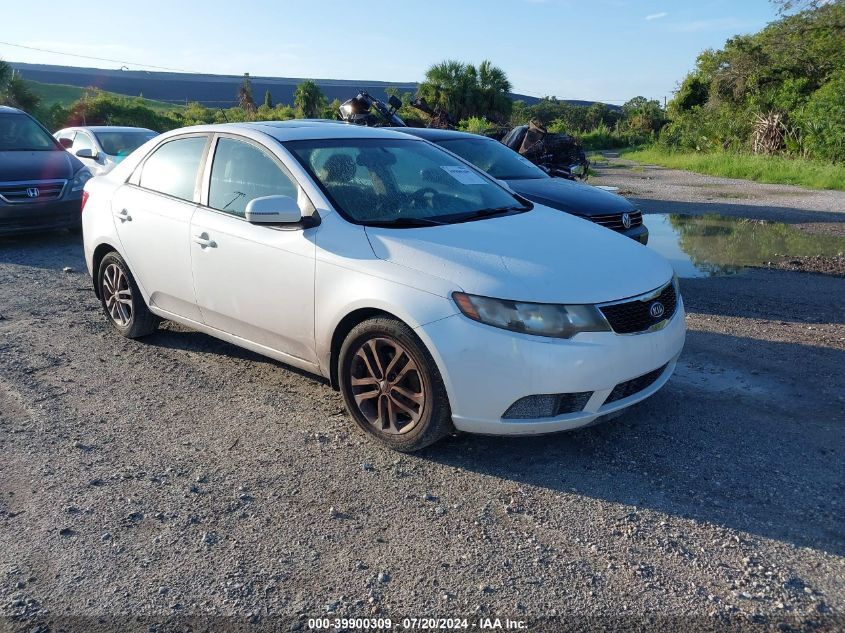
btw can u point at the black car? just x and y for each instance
(40, 183)
(529, 181)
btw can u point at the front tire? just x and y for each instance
(121, 299)
(391, 385)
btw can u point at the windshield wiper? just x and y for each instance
(407, 222)
(489, 213)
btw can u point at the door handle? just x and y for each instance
(123, 216)
(204, 241)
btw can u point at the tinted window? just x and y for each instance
(493, 157)
(241, 172)
(19, 132)
(172, 169)
(122, 143)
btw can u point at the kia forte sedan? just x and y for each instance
(431, 296)
(525, 178)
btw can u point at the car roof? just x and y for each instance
(10, 110)
(300, 129)
(108, 128)
(436, 134)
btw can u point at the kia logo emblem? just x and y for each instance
(656, 310)
(32, 192)
(626, 220)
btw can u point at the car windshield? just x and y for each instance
(493, 157)
(401, 182)
(20, 133)
(122, 143)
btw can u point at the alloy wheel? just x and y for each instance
(387, 386)
(117, 295)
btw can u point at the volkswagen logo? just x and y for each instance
(32, 192)
(626, 220)
(656, 310)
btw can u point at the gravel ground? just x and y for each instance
(179, 483)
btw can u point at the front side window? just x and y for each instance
(493, 157)
(82, 141)
(20, 133)
(400, 182)
(241, 172)
(172, 168)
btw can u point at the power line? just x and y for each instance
(100, 59)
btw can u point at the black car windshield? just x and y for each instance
(122, 143)
(401, 183)
(20, 133)
(493, 157)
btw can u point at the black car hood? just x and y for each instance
(43, 165)
(572, 197)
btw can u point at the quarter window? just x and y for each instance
(172, 168)
(241, 172)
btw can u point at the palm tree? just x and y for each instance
(309, 100)
(14, 91)
(494, 86)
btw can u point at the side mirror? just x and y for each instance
(273, 210)
(86, 153)
(65, 142)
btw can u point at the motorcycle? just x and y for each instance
(559, 155)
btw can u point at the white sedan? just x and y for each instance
(430, 295)
(102, 147)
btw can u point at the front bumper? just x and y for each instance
(638, 233)
(486, 370)
(17, 219)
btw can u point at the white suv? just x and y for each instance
(431, 296)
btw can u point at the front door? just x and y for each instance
(253, 281)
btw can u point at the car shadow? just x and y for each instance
(719, 444)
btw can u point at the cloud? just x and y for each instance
(656, 16)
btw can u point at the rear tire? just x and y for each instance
(121, 299)
(391, 385)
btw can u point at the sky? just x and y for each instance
(603, 50)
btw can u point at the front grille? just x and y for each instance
(22, 192)
(630, 387)
(614, 220)
(547, 405)
(635, 316)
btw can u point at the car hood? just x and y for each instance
(572, 197)
(45, 165)
(542, 255)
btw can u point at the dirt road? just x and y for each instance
(180, 477)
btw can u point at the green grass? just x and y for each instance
(66, 95)
(769, 169)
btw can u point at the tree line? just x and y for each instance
(779, 91)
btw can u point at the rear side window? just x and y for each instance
(172, 168)
(241, 172)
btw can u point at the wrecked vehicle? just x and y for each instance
(559, 155)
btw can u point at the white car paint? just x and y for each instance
(84, 136)
(284, 293)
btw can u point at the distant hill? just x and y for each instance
(210, 90)
(65, 95)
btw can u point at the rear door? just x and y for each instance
(152, 213)
(253, 281)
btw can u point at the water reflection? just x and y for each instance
(705, 245)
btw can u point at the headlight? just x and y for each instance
(80, 178)
(541, 319)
